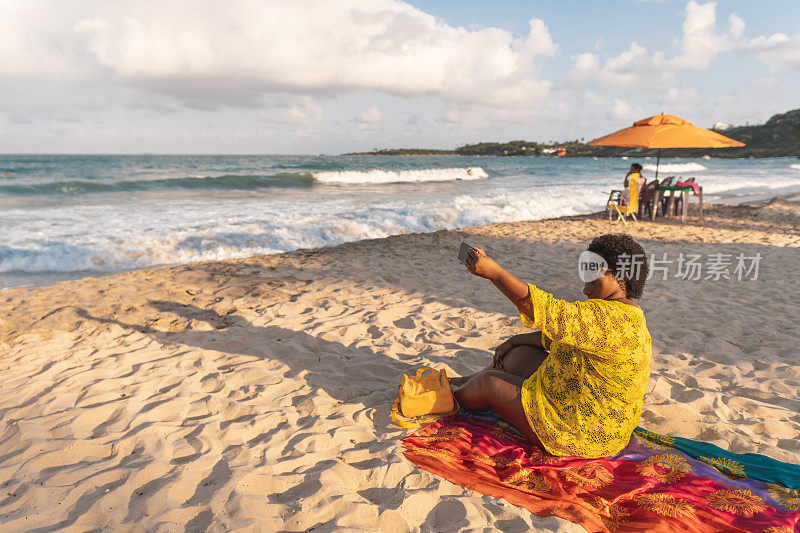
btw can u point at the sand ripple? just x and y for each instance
(254, 394)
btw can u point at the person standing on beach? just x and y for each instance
(576, 385)
(633, 181)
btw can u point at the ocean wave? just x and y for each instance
(749, 186)
(675, 167)
(226, 181)
(400, 176)
(40, 238)
(795, 166)
(242, 181)
(97, 239)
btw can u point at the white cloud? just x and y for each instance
(778, 51)
(272, 69)
(586, 65)
(538, 42)
(234, 52)
(369, 116)
(594, 99)
(302, 111)
(700, 44)
(737, 25)
(37, 41)
(726, 99)
(680, 96)
(763, 44)
(700, 41)
(622, 110)
(636, 68)
(765, 82)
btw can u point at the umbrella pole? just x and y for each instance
(658, 162)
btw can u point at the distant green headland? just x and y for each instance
(778, 137)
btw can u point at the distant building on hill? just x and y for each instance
(721, 126)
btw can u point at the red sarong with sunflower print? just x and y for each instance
(648, 486)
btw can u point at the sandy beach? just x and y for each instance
(254, 394)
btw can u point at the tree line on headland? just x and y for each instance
(778, 137)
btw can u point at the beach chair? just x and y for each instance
(622, 206)
(616, 204)
(666, 182)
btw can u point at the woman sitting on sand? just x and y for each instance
(584, 397)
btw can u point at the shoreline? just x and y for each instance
(255, 393)
(52, 278)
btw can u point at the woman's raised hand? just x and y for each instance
(482, 265)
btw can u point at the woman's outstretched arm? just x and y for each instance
(510, 285)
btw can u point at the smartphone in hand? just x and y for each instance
(464, 254)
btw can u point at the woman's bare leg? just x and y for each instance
(500, 391)
(457, 382)
(523, 361)
(520, 361)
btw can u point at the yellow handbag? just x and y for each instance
(423, 398)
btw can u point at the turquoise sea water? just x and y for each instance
(63, 216)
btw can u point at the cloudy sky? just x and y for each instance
(329, 76)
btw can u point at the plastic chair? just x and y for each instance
(666, 182)
(646, 199)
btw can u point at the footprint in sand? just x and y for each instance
(212, 383)
(405, 323)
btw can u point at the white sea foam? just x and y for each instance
(129, 231)
(675, 167)
(401, 176)
(97, 238)
(795, 166)
(748, 186)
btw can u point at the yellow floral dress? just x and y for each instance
(586, 398)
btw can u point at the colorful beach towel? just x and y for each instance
(657, 483)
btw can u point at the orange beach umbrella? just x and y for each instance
(665, 131)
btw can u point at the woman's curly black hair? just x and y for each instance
(633, 268)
